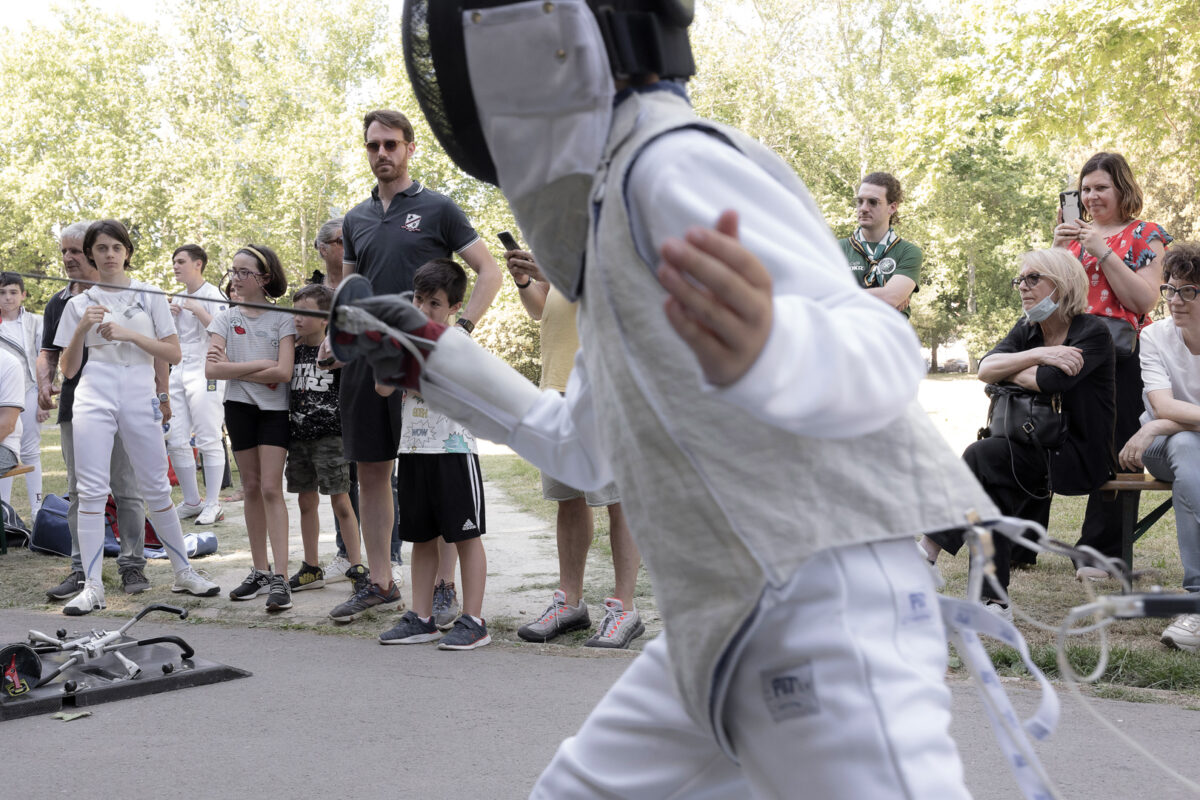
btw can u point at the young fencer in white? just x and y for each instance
(21, 334)
(197, 402)
(121, 333)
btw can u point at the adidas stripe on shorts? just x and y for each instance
(441, 494)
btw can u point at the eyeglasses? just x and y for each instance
(1187, 293)
(243, 274)
(387, 144)
(1030, 280)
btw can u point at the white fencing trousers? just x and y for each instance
(196, 410)
(31, 455)
(108, 399)
(838, 692)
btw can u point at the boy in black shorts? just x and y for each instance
(314, 461)
(440, 481)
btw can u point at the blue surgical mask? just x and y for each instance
(1042, 310)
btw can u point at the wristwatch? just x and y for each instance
(465, 324)
(163, 397)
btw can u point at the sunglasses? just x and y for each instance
(1187, 293)
(389, 145)
(1030, 280)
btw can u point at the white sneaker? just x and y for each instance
(89, 600)
(1183, 633)
(188, 510)
(1003, 612)
(192, 582)
(211, 515)
(398, 573)
(1090, 574)
(336, 569)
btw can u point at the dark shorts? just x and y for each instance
(443, 496)
(249, 426)
(317, 465)
(370, 423)
(8, 459)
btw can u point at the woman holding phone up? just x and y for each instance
(1122, 257)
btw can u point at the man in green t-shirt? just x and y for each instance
(883, 263)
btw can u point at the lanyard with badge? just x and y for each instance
(881, 265)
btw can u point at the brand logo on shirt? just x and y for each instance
(790, 692)
(412, 222)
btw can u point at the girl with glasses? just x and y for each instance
(253, 350)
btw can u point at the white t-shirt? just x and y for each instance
(131, 308)
(193, 336)
(423, 430)
(12, 395)
(1168, 364)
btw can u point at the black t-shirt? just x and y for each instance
(1088, 400)
(313, 408)
(388, 247)
(50, 317)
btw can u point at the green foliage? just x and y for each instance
(234, 121)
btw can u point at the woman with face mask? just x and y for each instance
(1122, 256)
(1056, 348)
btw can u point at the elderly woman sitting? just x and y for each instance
(1168, 444)
(1056, 348)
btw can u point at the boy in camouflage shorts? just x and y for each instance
(315, 462)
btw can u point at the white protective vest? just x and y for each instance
(727, 504)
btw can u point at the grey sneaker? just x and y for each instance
(619, 628)
(280, 596)
(557, 619)
(370, 596)
(257, 582)
(467, 634)
(133, 580)
(71, 586)
(411, 629)
(445, 605)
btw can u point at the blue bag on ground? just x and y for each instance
(52, 536)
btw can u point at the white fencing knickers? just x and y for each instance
(197, 409)
(110, 398)
(837, 691)
(31, 455)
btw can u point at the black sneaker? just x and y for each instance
(366, 598)
(309, 577)
(255, 584)
(359, 578)
(467, 634)
(71, 586)
(411, 629)
(133, 580)
(280, 597)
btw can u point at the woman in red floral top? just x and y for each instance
(1121, 256)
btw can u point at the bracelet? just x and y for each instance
(465, 324)
(1104, 255)
(524, 285)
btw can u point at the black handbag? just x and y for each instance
(1124, 335)
(1031, 418)
(1028, 419)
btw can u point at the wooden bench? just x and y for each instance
(1127, 487)
(19, 469)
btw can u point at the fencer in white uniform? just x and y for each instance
(123, 332)
(197, 402)
(21, 335)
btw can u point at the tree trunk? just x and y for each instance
(933, 358)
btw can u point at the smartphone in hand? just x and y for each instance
(1069, 203)
(508, 241)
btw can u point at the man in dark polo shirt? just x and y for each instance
(131, 511)
(386, 238)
